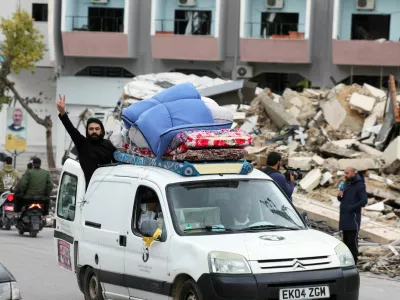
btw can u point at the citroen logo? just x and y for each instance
(274, 238)
(297, 265)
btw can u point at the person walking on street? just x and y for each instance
(274, 161)
(353, 197)
(93, 150)
(8, 175)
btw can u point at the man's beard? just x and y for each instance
(94, 138)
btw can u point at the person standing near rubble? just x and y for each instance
(93, 150)
(353, 197)
(274, 161)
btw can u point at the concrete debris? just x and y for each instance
(362, 103)
(374, 92)
(360, 164)
(311, 180)
(322, 132)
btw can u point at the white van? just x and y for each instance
(223, 236)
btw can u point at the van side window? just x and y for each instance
(147, 214)
(67, 197)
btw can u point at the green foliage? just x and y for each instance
(23, 45)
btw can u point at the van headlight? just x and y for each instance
(228, 263)
(345, 256)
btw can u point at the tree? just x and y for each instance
(22, 48)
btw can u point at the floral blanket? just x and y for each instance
(208, 155)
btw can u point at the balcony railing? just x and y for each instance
(184, 27)
(274, 30)
(102, 24)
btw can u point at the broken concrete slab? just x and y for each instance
(311, 180)
(391, 156)
(380, 207)
(303, 163)
(294, 111)
(276, 112)
(334, 91)
(369, 150)
(361, 102)
(331, 165)
(369, 122)
(296, 101)
(334, 113)
(360, 164)
(379, 109)
(374, 92)
(382, 193)
(293, 146)
(326, 177)
(335, 151)
(318, 211)
(318, 160)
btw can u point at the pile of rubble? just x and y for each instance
(323, 132)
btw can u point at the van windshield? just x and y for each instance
(224, 206)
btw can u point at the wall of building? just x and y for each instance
(76, 11)
(165, 13)
(257, 7)
(391, 7)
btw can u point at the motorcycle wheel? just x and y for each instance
(8, 225)
(21, 232)
(33, 234)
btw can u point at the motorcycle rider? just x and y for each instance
(36, 183)
(8, 175)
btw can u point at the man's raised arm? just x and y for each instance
(74, 133)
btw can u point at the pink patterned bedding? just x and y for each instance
(199, 139)
(209, 155)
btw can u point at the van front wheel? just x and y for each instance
(91, 286)
(190, 291)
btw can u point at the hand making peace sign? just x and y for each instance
(61, 105)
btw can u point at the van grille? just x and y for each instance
(295, 263)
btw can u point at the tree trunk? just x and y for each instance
(46, 122)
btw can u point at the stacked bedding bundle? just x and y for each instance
(180, 125)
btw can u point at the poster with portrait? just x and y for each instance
(16, 129)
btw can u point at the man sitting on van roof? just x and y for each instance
(93, 150)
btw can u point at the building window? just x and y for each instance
(370, 27)
(192, 22)
(278, 24)
(99, 71)
(39, 12)
(106, 19)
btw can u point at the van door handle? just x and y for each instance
(122, 240)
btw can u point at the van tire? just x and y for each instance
(91, 286)
(190, 291)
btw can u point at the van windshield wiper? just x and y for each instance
(268, 227)
(210, 229)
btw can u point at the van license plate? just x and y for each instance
(320, 292)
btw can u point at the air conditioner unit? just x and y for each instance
(365, 4)
(187, 2)
(244, 72)
(275, 3)
(99, 1)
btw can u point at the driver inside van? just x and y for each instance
(150, 210)
(241, 211)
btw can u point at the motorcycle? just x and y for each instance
(30, 219)
(7, 218)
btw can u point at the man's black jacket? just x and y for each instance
(354, 198)
(91, 154)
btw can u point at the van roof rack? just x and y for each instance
(241, 167)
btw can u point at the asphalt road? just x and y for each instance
(33, 263)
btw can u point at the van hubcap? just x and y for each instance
(93, 288)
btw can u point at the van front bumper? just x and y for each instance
(344, 284)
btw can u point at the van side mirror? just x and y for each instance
(148, 227)
(304, 215)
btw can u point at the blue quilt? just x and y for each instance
(171, 111)
(181, 168)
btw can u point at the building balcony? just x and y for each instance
(97, 30)
(275, 35)
(186, 33)
(366, 37)
(275, 43)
